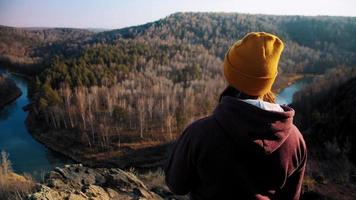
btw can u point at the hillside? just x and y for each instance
(114, 92)
(8, 91)
(311, 42)
(112, 97)
(328, 116)
(327, 119)
(25, 50)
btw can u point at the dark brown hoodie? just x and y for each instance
(240, 152)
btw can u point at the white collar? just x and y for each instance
(264, 105)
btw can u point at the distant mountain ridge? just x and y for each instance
(313, 44)
(46, 34)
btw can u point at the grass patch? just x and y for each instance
(12, 185)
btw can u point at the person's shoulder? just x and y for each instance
(202, 123)
(201, 126)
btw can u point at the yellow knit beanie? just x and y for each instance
(251, 64)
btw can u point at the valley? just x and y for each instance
(120, 98)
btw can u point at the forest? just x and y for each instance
(107, 94)
(146, 83)
(8, 91)
(325, 113)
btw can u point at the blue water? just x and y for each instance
(286, 95)
(25, 153)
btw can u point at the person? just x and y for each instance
(249, 147)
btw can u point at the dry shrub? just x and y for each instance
(308, 184)
(12, 185)
(154, 179)
(330, 163)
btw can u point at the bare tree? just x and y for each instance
(67, 94)
(5, 166)
(141, 114)
(80, 96)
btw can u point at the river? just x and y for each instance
(25, 153)
(286, 94)
(29, 156)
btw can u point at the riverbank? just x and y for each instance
(26, 153)
(25, 70)
(9, 91)
(285, 80)
(143, 156)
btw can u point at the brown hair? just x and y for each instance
(231, 91)
(269, 97)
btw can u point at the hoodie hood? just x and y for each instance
(248, 124)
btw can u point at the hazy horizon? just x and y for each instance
(103, 28)
(115, 14)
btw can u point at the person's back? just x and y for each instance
(248, 148)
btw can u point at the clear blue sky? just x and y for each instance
(120, 13)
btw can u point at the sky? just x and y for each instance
(111, 14)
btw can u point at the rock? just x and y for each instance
(45, 193)
(100, 179)
(56, 183)
(77, 197)
(77, 182)
(162, 191)
(112, 193)
(124, 180)
(97, 193)
(61, 171)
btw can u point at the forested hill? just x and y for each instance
(140, 86)
(308, 39)
(313, 44)
(332, 118)
(29, 50)
(326, 114)
(42, 34)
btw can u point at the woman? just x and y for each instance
(249, 147)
